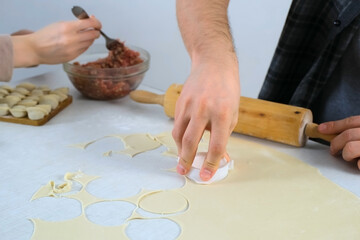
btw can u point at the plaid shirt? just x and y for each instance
(315, 36)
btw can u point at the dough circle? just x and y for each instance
(221, 173)
(164, 202)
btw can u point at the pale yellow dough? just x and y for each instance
(268, 195)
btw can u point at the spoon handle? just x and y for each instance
(80, 13)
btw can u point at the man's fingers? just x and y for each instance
(190, 142)
(351, 151)
(217, 150)
(180, 125)
(339, 142)
(335, 127)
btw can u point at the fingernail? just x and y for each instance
(323, 127)
(180, 169)
(206, 174)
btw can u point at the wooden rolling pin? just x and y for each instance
(258, 118)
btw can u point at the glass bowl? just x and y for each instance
(106, 83)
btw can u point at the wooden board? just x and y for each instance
(42, 121)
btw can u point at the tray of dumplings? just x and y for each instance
(29, 104)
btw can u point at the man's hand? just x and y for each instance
(348, 140)
(209, 100)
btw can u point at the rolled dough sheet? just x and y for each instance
(268, 195)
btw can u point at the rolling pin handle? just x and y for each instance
(142, 96)
(311, 130)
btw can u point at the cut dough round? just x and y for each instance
(164, 202)
(221, 173)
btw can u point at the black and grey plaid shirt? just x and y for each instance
(314, 38)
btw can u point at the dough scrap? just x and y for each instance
(134, 144)
(138, 143)
(52, 190)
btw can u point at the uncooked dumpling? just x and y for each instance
(63, 90)
(4, 109)
(31, 97)
(45, 107)
(27, 103)
(20, 95)
(7, 87)
(37, 92)
(18, 111)
(61, 95)
(4, 91)
(35, 113)
(50, 99)
(11, 100)
(26, 85)
(45, 89)
(22, 90)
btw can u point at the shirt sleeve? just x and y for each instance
(6, 58)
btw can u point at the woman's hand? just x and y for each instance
(348, 140)
(56, 43)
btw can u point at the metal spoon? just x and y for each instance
(111, 44)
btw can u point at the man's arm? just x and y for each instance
(210, 96)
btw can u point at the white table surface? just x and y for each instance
(31, 156)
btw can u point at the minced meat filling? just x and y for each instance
(122, 56)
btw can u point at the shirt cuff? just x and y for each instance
(6, 58)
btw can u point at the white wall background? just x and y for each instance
(256, 27)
